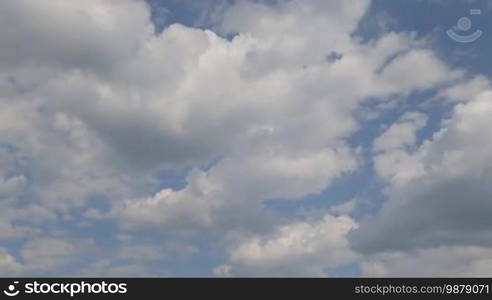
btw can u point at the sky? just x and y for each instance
(245, 138)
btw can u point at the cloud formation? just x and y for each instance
(95, 104)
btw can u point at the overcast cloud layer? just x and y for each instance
(127, 150)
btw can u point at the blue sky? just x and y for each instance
(245, 138)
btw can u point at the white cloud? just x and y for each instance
(106, 268)
(46, 255)
(302, 248)
(466, 90)
(49, 254)
(12, 186)
(402, 134)
(95, 36)
(392, 160)
(149, 252)
(470, 261)
(207, 199)
(446, 200)
(345, 208)
(419, 69)
(8, 263)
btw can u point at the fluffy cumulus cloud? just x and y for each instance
(95, 103)
(277, 91)
(294, 249)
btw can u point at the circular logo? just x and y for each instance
(464, 24)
